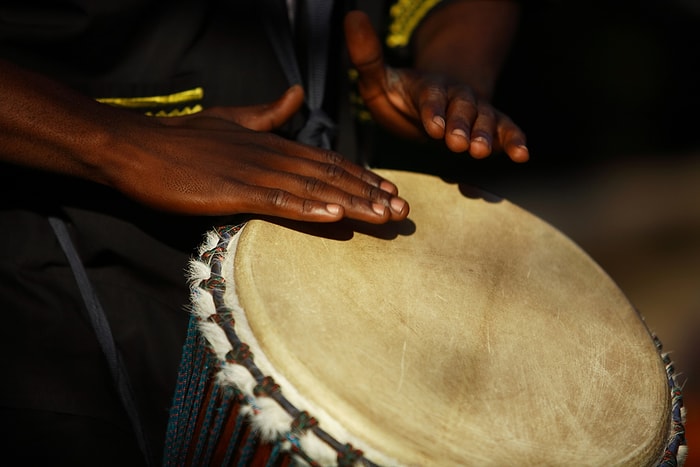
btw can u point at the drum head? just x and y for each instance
(471, 333)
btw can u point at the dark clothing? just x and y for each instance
(52, 366)
(146, 47)
(58, 402)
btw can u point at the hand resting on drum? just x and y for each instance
(221, 161)
(458, 52)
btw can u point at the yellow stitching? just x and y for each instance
(152, 101)
(176, 112)
(406, 15)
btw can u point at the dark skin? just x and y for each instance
(459, 51)
(217, 162)
(225, 161)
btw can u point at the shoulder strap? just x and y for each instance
(98, 319)
(316, 17)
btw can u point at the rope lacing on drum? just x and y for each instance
(676, 447)
(238, 354)
(191, 394)
(300, 425)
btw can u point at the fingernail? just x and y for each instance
(380, 209)
(480, 139)
(459, 132)
(333, 209)
(397, 205)
(388, 187)
(439, 121)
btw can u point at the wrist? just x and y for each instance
(467, 41)
(48, 126)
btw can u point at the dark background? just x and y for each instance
(590, 82)
(601, 80)
(607, 92)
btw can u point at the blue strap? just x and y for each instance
(98, 320)
(279, 30)
(319, 128)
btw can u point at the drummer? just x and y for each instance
(130, 128)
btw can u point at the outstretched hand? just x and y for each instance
(414, 104)
(223, 161)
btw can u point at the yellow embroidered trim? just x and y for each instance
(176, 112)
(153, 101)
(406, 14)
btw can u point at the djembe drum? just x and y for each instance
(472, 333)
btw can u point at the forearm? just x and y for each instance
(47, 126)
(467, 40)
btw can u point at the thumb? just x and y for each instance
(365, 53)
(263, 117)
